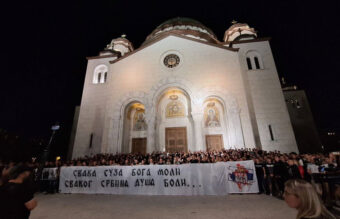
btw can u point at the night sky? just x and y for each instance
(45, 45)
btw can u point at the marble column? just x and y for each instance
(115, 147)
(150, 115)
(199, 142)
(151, 136)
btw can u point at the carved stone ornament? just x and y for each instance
(171, 60)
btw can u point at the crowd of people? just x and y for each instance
(273, 168)
(165, 158)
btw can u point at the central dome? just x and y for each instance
(183, 26)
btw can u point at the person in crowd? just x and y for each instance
(301, 168)
(260, 172)
(151, 161)
(301, 195)
(161, 161)
(269, 177)
(293, 170)
(44, 183)
(4, 174)
(17, 195)
(280, 174)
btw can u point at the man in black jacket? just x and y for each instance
(280, 175)
(259, 167)
(16, 197)
(293, 170)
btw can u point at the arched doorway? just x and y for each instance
(174, 124)
(215, 127)
(134, 129)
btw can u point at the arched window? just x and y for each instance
(100, 74)
(105, 77)
(257, 64)
(254, 60)
(249, 63)
(99, 77)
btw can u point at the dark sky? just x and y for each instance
(45, 45)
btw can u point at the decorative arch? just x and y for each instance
(117, 117)
(156, 102)
(169, 82)
(134, 127)
(227, 99)
(100, 74)
(232, 119)
(138, 96)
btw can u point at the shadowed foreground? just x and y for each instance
(83, 206)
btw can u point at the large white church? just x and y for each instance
(183, 90)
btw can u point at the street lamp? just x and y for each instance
(54, 129)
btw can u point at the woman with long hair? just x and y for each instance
(301, 195)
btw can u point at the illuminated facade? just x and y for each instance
(183, 90)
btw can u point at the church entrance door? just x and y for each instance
(139, 145)
(176, 139)
(214, 142)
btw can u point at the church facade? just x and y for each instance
(183, 90)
